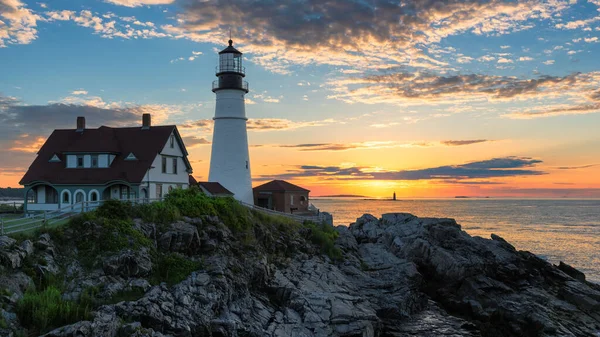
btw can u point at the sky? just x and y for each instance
(425, 98)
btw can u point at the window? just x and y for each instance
(79, 161)
(174, 165)
(94, 196)
(94, 160)
(246, 164)
(172, 141)
(164, 164)
(124, 192)
(170, 189)
(291, 199)
(65, 197)
(158, 191)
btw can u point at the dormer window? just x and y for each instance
(131, 156)
(80, 161)
(54, 159)
(172, 141)
(94, 160)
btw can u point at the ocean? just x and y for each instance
(565, 230)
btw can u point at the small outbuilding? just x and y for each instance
(281, 196)
(213, 189)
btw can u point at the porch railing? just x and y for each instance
(48, 218)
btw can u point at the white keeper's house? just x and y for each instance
(88, 165)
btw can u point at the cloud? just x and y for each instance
(18, 24)
(79, 92)
(372, 145)
(23, 127)
(403, 88)
(193, 141)
(261, 124)
(576, 167)
(137, 3)
(463, 142)
(525, 58)
(355, 34)
(108, 25)
(486, 169)
(276, 124)
(577, 23)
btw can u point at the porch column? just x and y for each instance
(25, 201)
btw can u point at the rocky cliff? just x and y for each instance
(396, 276)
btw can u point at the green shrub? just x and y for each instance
(324, 236)
(157, 212)
(191, 202)
(106, 236)
(115, 209)
(233, 214)
(172, 268)
(3, 323)
(45, 310)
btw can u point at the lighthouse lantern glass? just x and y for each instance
(230, 62)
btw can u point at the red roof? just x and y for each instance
(214, 188)
(279, 186)
(144, 144)
(192, 180)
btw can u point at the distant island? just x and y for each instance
(341, 196)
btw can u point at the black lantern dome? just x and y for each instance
(230, 70)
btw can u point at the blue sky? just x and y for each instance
(396, 83)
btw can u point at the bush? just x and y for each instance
(191, 202)
(115, 209)
(324, 236)
(172, 268)
(156, 212)
(233, 214)
(45, 310)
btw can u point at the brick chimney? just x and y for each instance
(146, 122)
(80, 124)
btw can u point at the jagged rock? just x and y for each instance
(12, 255)
(401, 276)
(181, 237)
(574, 273)
(128, 263)
(15, 284)
(148, 229)
(6, 242)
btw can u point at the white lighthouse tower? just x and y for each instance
(230, 162)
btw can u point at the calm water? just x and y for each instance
(557, 230)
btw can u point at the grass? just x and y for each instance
(42, 311)
(172, 268)
(324, 236)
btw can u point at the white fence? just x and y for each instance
(39, 220)
(48, 218)
(319, 218)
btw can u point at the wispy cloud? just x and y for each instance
(18, 24)
(373, 145)
(136, 3)
(261, 124)
(485, 169)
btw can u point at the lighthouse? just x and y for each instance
(230, 161)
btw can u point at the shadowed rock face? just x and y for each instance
(401, 276)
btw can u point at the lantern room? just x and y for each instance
(230, 70)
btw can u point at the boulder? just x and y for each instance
(181, 237)
(574, 273)
(128, 263)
